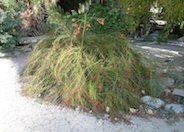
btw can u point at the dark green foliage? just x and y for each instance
(115, 20)
(10, 25)
(138, 12)
(173, 13)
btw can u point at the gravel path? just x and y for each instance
(20, 114)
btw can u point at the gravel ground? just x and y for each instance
(20, 114)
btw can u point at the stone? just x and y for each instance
(150, 112)
(179, 69)
(115, 118)
(153, 102)
(106, 116)
(178, 92)
(143, 92)
(169, 82)
(27, 50)
(77, 108)
(153, 36)
(132, 110)
(177, 108)
(17, 53)
(167, 91)
(107, 109)
(181, 39)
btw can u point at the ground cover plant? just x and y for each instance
(79, 67)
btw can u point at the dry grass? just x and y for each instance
(101, 72)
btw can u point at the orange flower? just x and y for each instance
(76, 32)
(71, 46)
(101, 21)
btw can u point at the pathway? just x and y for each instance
(20, 114)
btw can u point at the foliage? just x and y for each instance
(81, 68)
(8, 3)
(138, 12)
(9, 26)
(173, 13)
(110, 17)
(114, 19)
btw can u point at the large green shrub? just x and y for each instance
(78, 67)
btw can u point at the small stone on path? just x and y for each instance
(177, 108)
(150, 112)
(152, 102)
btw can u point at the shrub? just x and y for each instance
(81, 68)
(138, 12)
(9, 27)
(173, 13)
(115, 19)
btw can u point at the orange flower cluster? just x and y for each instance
(77, 30)
(101, 21)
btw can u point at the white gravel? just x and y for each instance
(20, 114)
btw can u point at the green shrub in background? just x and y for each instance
(8, 3)
(10, 23)
(115, 20)
(173, 13)
(138, 12)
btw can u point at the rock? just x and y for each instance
(169, 82)
(150, 112)
(77, 108)
(143, 92)
(167, 91)
(132, 110)
(115, 118)
(152, 102)
(17, 53)
(106, 116)
(107, 109)
(181, 39)
(179, 69)
(153, 36)
(27, 50)
(177, 108)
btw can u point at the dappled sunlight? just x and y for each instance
(162, 53)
